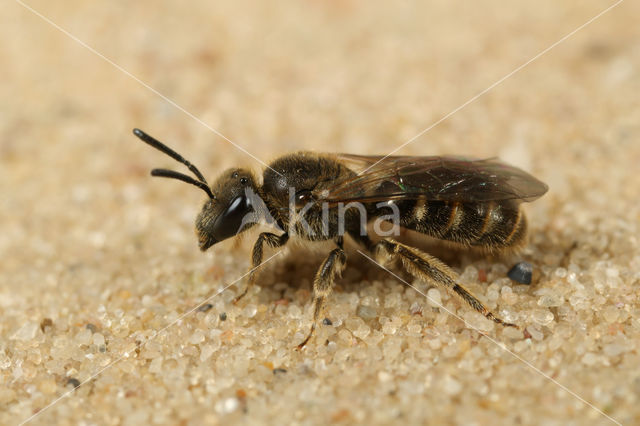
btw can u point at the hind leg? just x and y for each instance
(432, 270)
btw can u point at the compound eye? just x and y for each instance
(236, 210)
(303, 197)
(229, 222)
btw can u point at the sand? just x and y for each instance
(101, 277)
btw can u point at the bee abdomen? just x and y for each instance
(504, 226)
(491, 225)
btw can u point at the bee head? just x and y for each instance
(224, 214)
(230, 198)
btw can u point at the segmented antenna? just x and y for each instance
(201, 182)
(171, 153)
(180, 176)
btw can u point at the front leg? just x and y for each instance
(323, 284)
(273, 241)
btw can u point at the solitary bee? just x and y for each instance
(474, 203)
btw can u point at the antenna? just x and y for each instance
(150, 140)
(201, 182)
(180, 176)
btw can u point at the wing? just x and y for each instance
(438, 178)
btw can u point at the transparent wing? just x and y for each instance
(438, 178)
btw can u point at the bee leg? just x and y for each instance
(432, 270)
(272, 240)
(323, 283)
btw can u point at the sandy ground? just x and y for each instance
(99, 264)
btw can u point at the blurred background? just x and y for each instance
(81, 220)
(273, 77)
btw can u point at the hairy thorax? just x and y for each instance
(299, 178)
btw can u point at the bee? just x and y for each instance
(327, 197)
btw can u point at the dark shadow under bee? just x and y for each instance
(330, 197)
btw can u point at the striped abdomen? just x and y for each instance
(493, 225)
